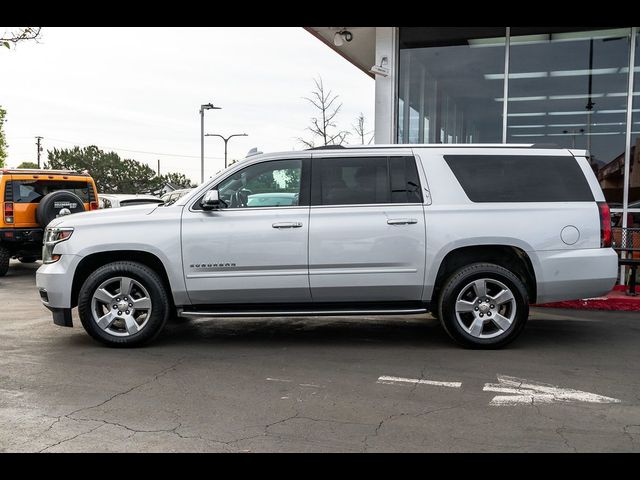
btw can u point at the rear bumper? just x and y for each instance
(22, 235)
(575, 274)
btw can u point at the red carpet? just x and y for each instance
(617, 299)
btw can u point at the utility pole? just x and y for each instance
(206, 106)
(39, 149)
(158, 167)
(226, 140)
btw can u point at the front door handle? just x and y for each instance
(287, 225)
(402, 221)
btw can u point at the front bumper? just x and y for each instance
(56, 279)
(61, 316)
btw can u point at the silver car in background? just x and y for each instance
(109, 200)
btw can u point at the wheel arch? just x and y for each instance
(512, 258)
(96, 260)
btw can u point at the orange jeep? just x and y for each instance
(30, 199)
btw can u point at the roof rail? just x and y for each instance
(43, 171)
(545, 145)
(328, 147)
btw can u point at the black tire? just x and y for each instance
(27, 259)
(5, 256)
(53, 203)
(458, 283)
(149, 279)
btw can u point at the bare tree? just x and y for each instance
(360, 130)
(323, 126)
(19, 34)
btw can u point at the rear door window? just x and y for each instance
(32, 191)
(520, 178)
(366, 180)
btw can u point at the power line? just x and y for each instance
(133, 151)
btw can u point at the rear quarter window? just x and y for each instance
(520, 178)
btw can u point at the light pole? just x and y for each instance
(226, 140)
(207, 106)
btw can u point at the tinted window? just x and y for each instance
(405, 185)
(373, 180)
(32, 191)
(268, 184)
(353, 181)
(509, 178)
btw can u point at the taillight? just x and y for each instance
(605, 225)
(8, 212)
(93, 205)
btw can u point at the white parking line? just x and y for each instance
(400, 380)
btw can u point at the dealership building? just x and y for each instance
(575, 87)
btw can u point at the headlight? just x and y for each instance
(52, 237)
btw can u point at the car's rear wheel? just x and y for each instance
(123, 304)
(483, 306)
(5, 256)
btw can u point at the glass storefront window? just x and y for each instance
(445, 94)
(634, 174)
(570, 89)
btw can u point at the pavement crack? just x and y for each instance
(559, 430)
(630, 435)
(64, 440)
(161, 373)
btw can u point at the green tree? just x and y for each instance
(111, 173)
(178, 180)
(3, 141)
(28, 165)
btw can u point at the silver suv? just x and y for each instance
(471, 233)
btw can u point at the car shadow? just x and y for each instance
(425, 331)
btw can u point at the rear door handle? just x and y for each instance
(402, 221)
(287, 225)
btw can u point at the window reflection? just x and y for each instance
(443, 94)
(570, 89)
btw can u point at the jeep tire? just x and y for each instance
(5, 256)
(52, 204)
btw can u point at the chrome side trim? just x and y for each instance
(304, 313)
(355, 271)
(244, 273)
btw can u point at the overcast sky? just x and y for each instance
(137, 90)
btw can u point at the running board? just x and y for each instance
(297, 313)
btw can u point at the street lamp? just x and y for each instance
(207, 106)
(226, 140)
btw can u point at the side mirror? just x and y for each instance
(211, 200)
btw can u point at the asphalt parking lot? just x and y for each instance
(389, 384)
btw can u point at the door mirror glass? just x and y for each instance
(211, 200)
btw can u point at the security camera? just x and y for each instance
(380, 70)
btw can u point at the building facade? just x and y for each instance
(575, 87)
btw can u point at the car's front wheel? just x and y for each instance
(483, 306)
(123, 304)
